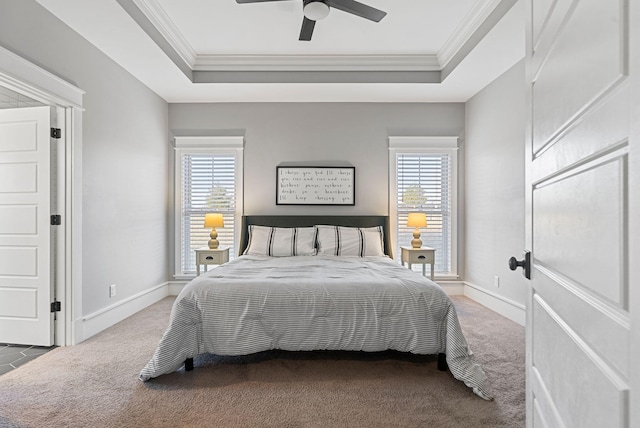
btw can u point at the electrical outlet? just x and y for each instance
(496, 281)
(112, 290)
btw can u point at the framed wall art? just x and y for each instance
(315, 185)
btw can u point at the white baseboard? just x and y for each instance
(98, 321)
(508, 308)
(452, 288)
(175, 287)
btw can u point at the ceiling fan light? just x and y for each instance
(316, 10)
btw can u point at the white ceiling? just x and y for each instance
(223, 26)
(253, 54)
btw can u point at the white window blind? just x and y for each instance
(423, 185)
(423, 178)
(208, 185)
(208, 179)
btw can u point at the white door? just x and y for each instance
(25, 204)
(581, 153)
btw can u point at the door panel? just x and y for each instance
(18, 137)
(19, 178)
(19, 261)
(584, 377)
(547, 19)
(588, 317)
(586, 59)
(578, 214)
(600, 129)
(579, 338)
(18, 219)
(25, 236)
(19, 302)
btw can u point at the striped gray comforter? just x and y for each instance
(256, 303)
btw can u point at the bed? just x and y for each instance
(311, 283)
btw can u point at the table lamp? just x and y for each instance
(416, 220)
(213, 220)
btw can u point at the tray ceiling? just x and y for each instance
(222, 51)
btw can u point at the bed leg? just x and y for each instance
(442, 362)
(188, 364)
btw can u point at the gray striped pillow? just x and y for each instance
(281, 241)
(350, 241)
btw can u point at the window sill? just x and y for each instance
(184, 276)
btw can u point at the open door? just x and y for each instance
(25, 246)
(581, 153)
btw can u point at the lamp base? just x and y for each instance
(213, 242)
(416, 242)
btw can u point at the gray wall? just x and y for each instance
(494, 184)
(125, 156)
(278, 132)
(353, 132)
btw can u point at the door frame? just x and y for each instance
(22, 76)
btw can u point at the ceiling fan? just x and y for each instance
(315, 10)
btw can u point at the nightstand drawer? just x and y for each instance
(212, 258)
(420, 257)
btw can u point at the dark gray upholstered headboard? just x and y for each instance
(312, 220)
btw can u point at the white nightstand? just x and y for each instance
(422, 255)
(206, 256)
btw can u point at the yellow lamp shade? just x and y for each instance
(417, 220)
(213, 220)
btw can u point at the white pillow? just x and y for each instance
(281, 241)
(350, 241)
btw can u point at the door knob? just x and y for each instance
(525, 264)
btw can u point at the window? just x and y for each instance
(423, 179)
(208, 179)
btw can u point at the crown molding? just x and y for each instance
(465, 30)
(165, 26)
(317, 63)
(213, 62)
(317, 76)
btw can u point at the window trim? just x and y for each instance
(205, 145)
(417, 145)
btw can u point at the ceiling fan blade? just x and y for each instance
(358, 9)
(255, 1)
(307, 29)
